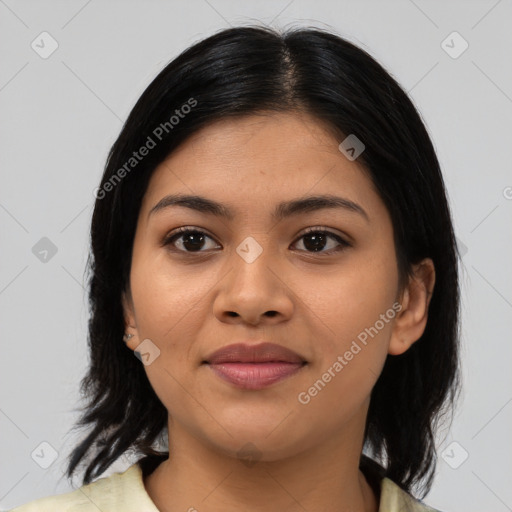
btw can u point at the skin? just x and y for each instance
(190, 304)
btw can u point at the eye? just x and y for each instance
(188, 240)
(317, 239)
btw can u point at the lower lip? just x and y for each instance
(255, 375)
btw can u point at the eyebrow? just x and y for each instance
(282, 210)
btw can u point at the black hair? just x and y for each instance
(255, 69)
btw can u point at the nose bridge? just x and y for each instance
(252, 288)
(251, 261)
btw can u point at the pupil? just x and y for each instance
(318, 242)
(193, 241)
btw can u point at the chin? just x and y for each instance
(264, 445)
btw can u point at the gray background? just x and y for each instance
(61, 114)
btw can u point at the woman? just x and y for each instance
(272, 241)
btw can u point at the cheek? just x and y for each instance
(167, 305)
(353, 322)
(166, 297)
(352, 311)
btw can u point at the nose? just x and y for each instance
(254, 292)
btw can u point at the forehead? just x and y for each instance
(260, 135)
(261, 159)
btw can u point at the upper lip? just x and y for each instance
(261, 353)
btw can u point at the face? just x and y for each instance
(320, 279)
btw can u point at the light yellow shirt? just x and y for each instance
(125, 492)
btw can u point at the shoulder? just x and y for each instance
(118, 492)
(393, 498)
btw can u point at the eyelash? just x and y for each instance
(169, 239)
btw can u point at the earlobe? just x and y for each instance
(130, 333)
(411, 321)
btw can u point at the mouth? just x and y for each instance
(262, 353)
(254, 367)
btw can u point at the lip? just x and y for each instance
(255, 376)
(254, 366)
(264, 352)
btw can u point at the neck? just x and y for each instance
(325, 477)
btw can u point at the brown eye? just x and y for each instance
(188, 240)
(316, 240)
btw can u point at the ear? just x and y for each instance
(411, 320)
(129, 319)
